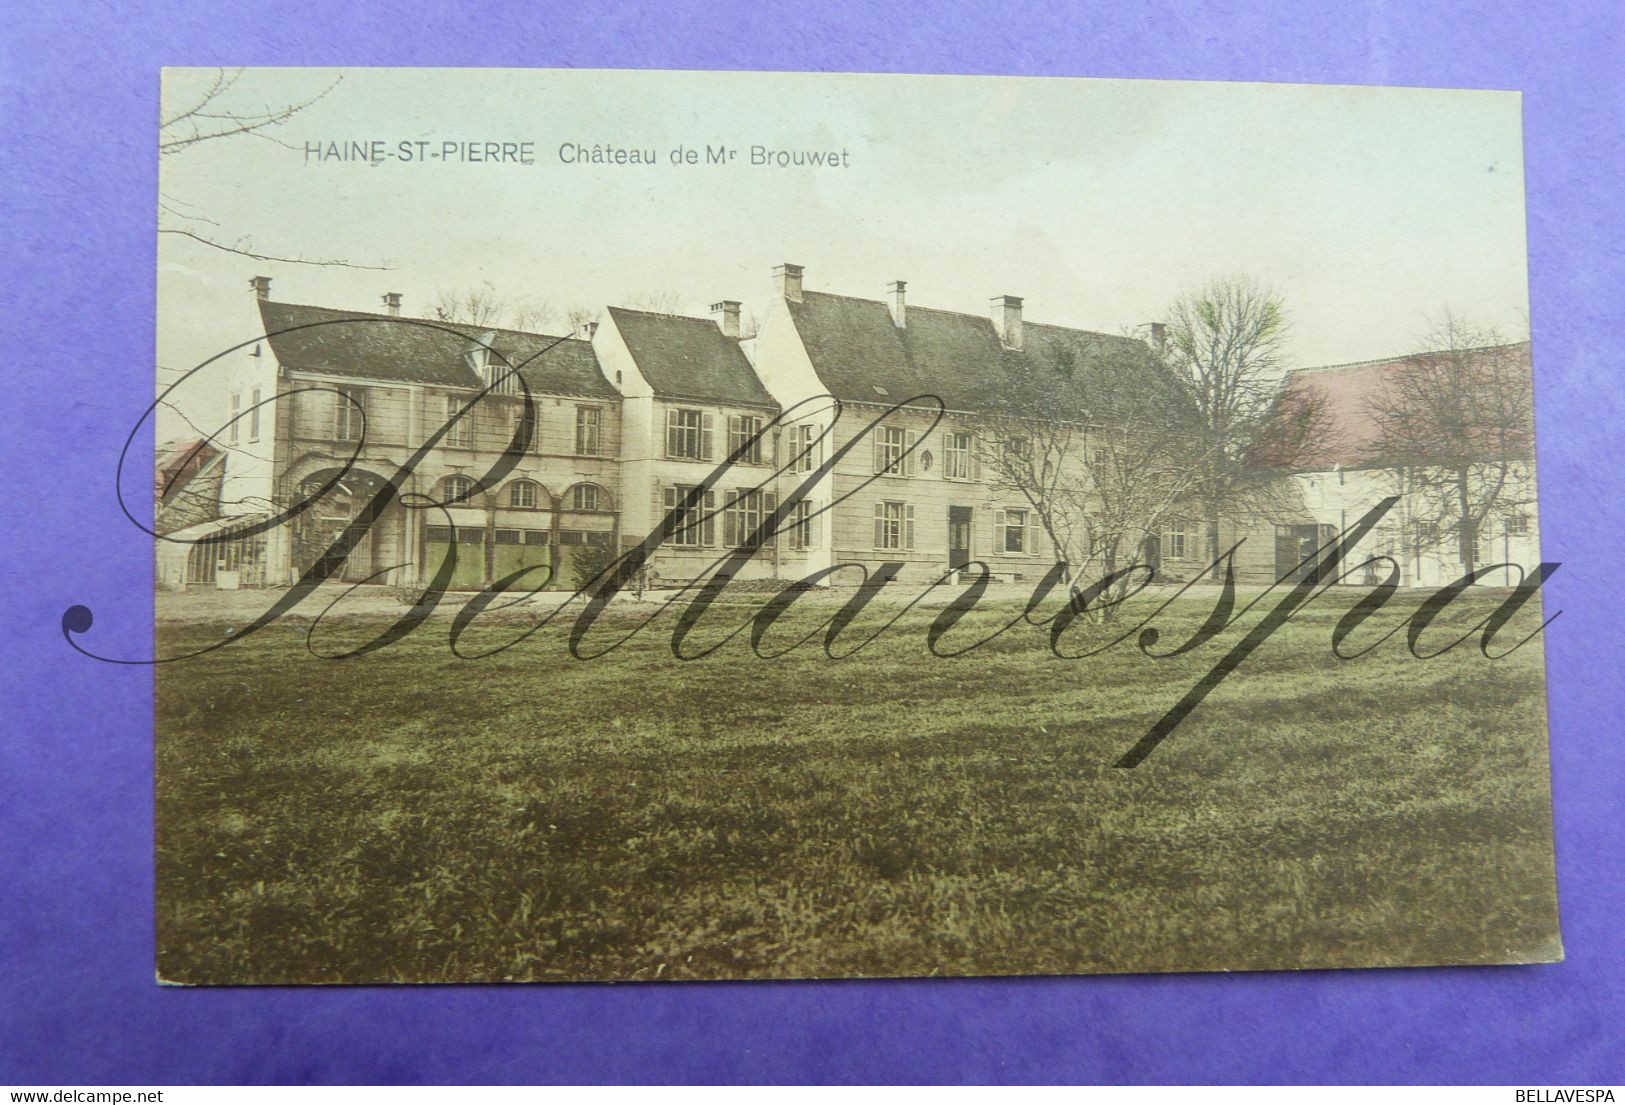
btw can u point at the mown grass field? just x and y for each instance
(409, 816)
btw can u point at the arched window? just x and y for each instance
(458, 489)
(587, 496)
(524, 494)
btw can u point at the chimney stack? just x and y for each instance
(392, 302)
(788, 277)
(727, 314)
(586, 330)
(1159, 338)
(261, 286)
(897, 288)
(1007, 319)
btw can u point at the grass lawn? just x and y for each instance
(410, 816)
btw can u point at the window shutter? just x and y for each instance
(880, 454)
(880, 525)
(731, 536)
(706, 423)
(975, 459)
(908, 452)
(671, 432)
(908, 526)
(1029, 543)
(770, 503)
(710, 528)
(812, 525)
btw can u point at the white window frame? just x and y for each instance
(347, 419)
(957, 449)
(1015, 520)
(741, 428)
(459, 434)
(582, 491)
(454, 482)
(805, 450)
(530, 488)
(894, 451)
(803, 526)
(697, 529)
(589, 430)
(688, 433)
(894, 525)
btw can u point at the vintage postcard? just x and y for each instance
(653, 525)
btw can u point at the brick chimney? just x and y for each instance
(788, 278)
(1007, 319)
(586, 330)
(1159, 337)
(392, 302)
(897, 287)
(261, 286)
(727, 315)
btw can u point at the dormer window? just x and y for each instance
(498, 375)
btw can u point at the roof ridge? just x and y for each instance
(448, 323)
(913, 307)
(664, 314)
(1407, 356)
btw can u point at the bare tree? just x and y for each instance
(1456, 428)
(1100, 441)
(660, 302)
(221, 112)
(484, 306)
(1224, 341)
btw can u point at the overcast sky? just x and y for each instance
(1369, 209)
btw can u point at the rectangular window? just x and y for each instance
(349, 413)
(589, 427)
(688, 434)
(236, 409)
(499, 376)
(1014, 527)
(803, 532)
(743, 512)
(1018, 446)
(805, 451)
(695, 524)
(894, 452)
(530, 439)
(254, 416)
(1517, 525)
(894, 525)
(460, 435)
(1174, 540)
(744, 433)
(956, 454)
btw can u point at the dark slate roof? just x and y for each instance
(689, 358)
(855, 348)
(326, 340)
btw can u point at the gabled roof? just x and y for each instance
(328, 341)
(689, 358)
(861, 355)
(1347, 393)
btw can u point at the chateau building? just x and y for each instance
(633, 413)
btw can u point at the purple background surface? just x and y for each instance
(78, 1003)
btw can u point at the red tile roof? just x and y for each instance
(1349, 391)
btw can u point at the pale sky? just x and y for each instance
(1369, 209)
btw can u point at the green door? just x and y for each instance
(523, 548)
(469, 574)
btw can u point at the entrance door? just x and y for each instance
(958, 537)
(1295, 548)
